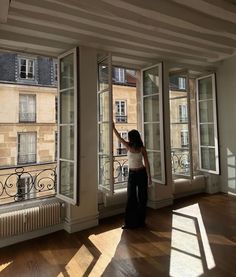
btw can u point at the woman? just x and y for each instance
(138, 181)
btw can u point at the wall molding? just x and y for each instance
(79, 224)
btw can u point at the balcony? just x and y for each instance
(27, 117)
(121, 118)
(27, 182)
(180, 161)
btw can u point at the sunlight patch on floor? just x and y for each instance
(3, 266)
(189, 251)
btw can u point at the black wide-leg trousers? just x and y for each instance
(135, 212)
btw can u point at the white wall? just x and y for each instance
(226, 94)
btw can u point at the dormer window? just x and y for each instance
(26, 68)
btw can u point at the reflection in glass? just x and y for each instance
(104, 138)
(103, 75)
(104, 106)
(207, 136)
(155, 164)
(67, 142)
(205, 88)
(151, 81)
(104, 170)
(66, 179)
(206, 111)
(151, 108)
(208, 158)
(67, 106)
(67, 72)
(152, 136)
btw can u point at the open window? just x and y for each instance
(207, 124)
(67, 186)
(153, 133)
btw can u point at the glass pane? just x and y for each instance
(104, 138)
(205, 88)
(103, 75)
(152, 136)
(66, 179)
(155, 164)
(151, 81)
(151, 108)
(104, 106)
(67, 72)
(67, 106)
(67, 142)
(207, 136)
(206, 111)
(208, 158)
(104, 170)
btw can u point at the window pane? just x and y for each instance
(66, 179)
(151, 108)
(206, 111)
(104, 138)
(151, 81)
(104, 170)
(103, 76)
(67, 72)
(104, 106)
(152, 136)
(205, 88)
(207, 137)
(67, 142)
(155, 164)
(67, 106)
(208, 158)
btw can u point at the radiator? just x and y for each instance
(30, 219)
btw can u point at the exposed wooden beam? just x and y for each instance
(4, 10)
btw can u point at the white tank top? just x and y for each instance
(135, 159)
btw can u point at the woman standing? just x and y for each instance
(138, 181)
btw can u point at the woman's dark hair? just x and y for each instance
(135, 140)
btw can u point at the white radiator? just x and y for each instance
(30, 219)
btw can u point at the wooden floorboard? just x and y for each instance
(194, 237)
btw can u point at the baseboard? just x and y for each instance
(75, 225)
(111, 211)
(160, 203)
(186, 194)
(30, 235)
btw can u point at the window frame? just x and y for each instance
(215, 123)
(27, 60)
(18, 147)
(34, 96)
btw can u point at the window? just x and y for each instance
(177, 82)
(182, 83)
(121, 112)
(121, 150)
(27, 109)
(26, 148)
(153, 121)
(119, 75)
(183, 113)
(207, 124)
(26, 66)
(184, 138)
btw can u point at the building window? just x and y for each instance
(119, 75)
(27, 110)
(121, 150)
(26, 148)
(121, 111)
(183, 113)
(184, 138)
(27, 68)
(182, 83)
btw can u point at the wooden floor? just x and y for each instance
(194, 237)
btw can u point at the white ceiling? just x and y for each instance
(137, 32)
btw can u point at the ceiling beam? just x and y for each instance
(4, 10)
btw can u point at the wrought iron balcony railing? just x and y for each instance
(24, 183)
(180, 160)
(121, 118)
(27, 117)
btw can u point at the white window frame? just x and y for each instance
(161, 119)
(216, 147)
(75, 199)
(27, 65)
(119, 75)
(182, 83)
(18, 147)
